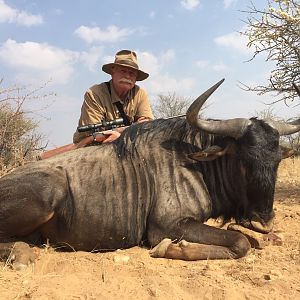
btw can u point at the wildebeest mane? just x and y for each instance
(161, 131)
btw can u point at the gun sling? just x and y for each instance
(120, 107)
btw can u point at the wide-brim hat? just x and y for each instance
(127, 59)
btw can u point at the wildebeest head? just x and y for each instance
(255, 144)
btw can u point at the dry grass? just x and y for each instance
(289, 172)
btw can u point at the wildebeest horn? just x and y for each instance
(233, 127)
(284, 128)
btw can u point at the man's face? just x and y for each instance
(123, 78)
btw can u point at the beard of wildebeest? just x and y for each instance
(260, 154)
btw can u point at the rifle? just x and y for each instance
(95, 136)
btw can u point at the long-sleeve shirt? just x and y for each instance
(98, 106)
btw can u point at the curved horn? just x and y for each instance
(193, 110)
(284, 128)
(234, 127)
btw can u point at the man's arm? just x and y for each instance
(91, 113)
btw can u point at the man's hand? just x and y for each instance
(142, 119)
(111, 135)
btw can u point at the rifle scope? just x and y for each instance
(104, 125)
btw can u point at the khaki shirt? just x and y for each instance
(98, 105)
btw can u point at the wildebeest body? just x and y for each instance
(159, 179)
(102, 203)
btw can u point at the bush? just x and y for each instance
(170, 105)
(19, 137)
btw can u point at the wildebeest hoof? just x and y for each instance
(260, 226)
(21, 256)
(183, 243)
(160, 249)
(19, 266)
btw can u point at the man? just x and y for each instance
(118, 98)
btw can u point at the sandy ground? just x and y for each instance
(270, 273)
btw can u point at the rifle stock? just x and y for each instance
(99, 137)
(58, 150)
(94, 137)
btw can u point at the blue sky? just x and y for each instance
(185, 45)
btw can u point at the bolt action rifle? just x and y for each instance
(95, 136)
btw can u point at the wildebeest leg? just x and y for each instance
(26, 204)
(19, 227)
(205, 242)
(257, 240)
(189, 251)
(17, 254)
(20, 230)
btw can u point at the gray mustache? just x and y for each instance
(125, 80)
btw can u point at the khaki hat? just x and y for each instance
(128, 59)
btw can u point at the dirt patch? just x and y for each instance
(271, 273)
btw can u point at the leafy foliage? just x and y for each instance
(275, 31)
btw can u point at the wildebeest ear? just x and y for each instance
(286, 152)
(213, 152)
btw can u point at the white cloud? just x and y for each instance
(58, 12)
(7, 14)
(92, 58)
(219, 67)
(202, 64)
(39, 61)
(96, 34)
(189, 4)
(11, 15)
(152, 14)
(168, 56)
(159, 80)
(205, 64)
(228, 3)
(164, 83)
(149, 62)
(233, 40)
(154, 64)
(108, 59)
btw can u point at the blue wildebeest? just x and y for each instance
(160, 179)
